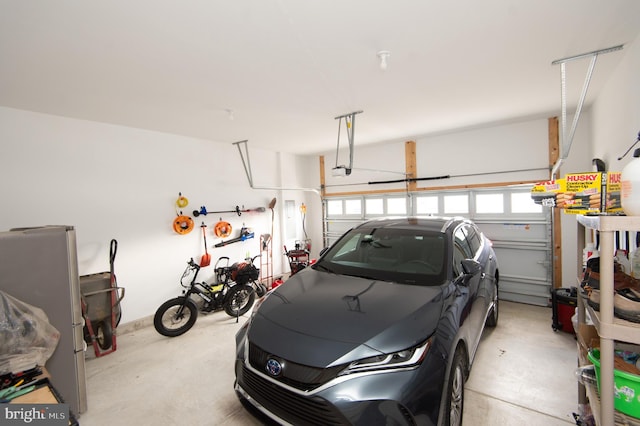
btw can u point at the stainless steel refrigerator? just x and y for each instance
(39, 266)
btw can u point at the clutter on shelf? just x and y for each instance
(627, 290)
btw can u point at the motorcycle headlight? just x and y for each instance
(405, 358)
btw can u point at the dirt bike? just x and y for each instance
(234, 291)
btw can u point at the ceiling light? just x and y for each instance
(383, 55)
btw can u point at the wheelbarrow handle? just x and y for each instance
(113, 248)
(119, 296)
(104, 290)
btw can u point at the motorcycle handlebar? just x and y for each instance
(193, 264)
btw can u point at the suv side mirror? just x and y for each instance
(471, 267)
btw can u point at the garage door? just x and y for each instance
(519, 229)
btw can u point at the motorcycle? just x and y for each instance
(234, 291)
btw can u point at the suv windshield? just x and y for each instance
(407, 256)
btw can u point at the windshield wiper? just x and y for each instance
(369, 277)
(374, 243)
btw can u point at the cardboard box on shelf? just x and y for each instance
(588, 339)
(581, 193)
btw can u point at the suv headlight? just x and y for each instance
(405, 358)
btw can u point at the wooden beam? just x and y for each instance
(410, 164)
(554, 154)
(432, 188)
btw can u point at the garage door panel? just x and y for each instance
(523, 262)
(335, 229)
(516, 231)
(523, 246)
(524, 294)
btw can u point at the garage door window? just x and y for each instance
(353, 207)
(427, 205)
(334, 208)
(456, 204)
(489, 203)
(397, 206)
(521, 202)
(374, 206)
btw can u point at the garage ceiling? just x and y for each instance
(277, 72)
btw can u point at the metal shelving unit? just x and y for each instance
(609, 329)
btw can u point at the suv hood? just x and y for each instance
(322, 319)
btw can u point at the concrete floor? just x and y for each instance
(523, 374)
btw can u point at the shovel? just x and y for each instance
(206, 257)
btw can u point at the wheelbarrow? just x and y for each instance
(101, 297)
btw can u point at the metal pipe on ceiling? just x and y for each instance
(567, 140)
(246, 163)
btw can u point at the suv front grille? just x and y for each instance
(299, 376)
(294, 408)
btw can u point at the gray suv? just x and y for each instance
(382, 329)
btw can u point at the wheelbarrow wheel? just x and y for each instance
(104, 335)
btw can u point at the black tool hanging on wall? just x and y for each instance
(238, 211)
(245, 234)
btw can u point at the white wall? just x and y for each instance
(616, 112)
(297, 186)
(117, 182)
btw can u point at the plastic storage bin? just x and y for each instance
(626, 395)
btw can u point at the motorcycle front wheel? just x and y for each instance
(239, 300)
(175, 317)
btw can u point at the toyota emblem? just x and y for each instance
(273, 367)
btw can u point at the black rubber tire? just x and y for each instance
(168, 323)
(104, 334)
(118, 316)
(492, 319)
(454, 407)
(239, 300)
(87, 336)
